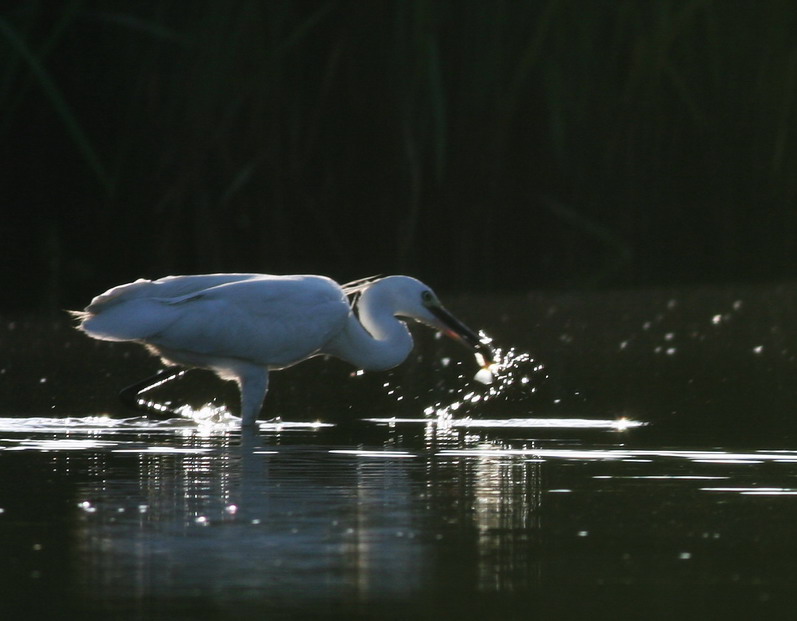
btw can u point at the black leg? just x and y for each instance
(130, 395)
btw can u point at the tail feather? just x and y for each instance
(135, 320)
(81, 316)
(117, 295)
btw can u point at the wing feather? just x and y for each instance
(268, 321)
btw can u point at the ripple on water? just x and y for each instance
(217, 418)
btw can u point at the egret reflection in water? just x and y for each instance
(247, 514)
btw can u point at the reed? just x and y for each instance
(553, 143)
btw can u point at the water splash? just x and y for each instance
(511, 376)
(210, 417)
(515, 375)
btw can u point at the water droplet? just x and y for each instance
(484, 376)
(87, 507)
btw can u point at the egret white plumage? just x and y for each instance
(241, 326)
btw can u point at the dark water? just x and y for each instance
(642, 465)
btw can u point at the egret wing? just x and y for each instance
(273, 321)
(170, 287)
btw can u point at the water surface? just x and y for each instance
(648, 462)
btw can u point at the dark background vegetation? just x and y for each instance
(480, 145)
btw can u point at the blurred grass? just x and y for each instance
(549, 143)
(26, 61)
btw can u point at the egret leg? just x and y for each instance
(130, 395)
(253, 383)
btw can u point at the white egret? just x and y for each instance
(241, 326)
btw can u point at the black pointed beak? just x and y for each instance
(462, 333)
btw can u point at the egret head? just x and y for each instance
(415, 300)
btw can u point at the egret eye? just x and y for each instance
(427, 297)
